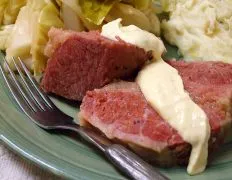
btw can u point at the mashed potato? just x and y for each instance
(202, 30)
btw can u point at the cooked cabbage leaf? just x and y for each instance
(129, 15)
(93, 12)
(70, 18)
(75, 6)
(3, 4)
(139, 4)
(49, 17)
(4, 33)
(146, 20)
(11, 11)
(37, 5)
(96, 10)
(144, 4)
(29, 35)
(59, 2)
(19, 41)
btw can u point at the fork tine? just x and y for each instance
(25, 107)
(21, 91)
(30, 89)
(49, 103)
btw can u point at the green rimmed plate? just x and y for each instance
(74, 159)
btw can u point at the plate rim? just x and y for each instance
(41, 163)
(30, 158)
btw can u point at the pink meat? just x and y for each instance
(121, 112)
(84, 61)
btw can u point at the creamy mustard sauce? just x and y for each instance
(202, 30)
(133, 35)
(163, 88)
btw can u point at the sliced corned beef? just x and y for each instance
(82, 61)
(122, 113)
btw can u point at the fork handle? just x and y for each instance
(131, 164)
(128, 162)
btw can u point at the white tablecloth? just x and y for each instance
(13, 167)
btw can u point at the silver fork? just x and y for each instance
(41, 110)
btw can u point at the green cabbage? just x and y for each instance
(29, 35)
(93, 12)
(59, 2)
(144, 19)
(37, 5)
(4, 33)
(70, 18)
(76, 8)
(3, 4)
(49, 17)
(19, 41)
(130, 15)
(96, 10)
(74, 4)
(12, 9)
(139, 4)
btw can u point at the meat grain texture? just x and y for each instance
(82, 61)
(121, 112)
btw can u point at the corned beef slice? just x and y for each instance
(85, 61)
(121, 112)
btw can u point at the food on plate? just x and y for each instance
(4, 33)
(145, 19)
(175, 112)
(34, 19)
(94, 13)
(9, 10)
(29, 35)
(163, 88)
(2, 8)
(134, 35)
(82, 61)
(85, 61)
(202, 30)
(122, 113)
